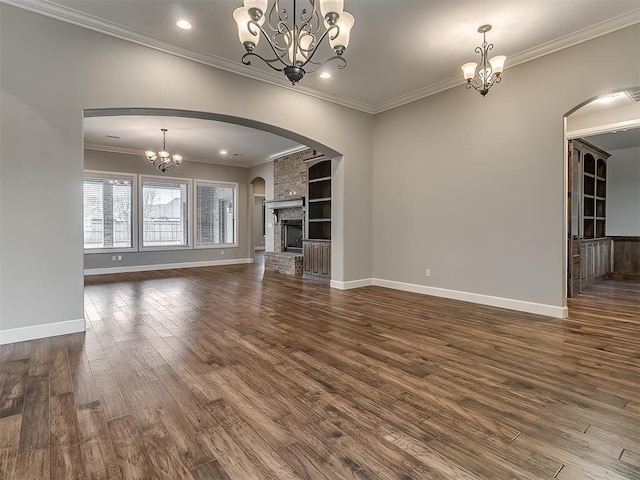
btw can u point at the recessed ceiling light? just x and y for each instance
(184, 24)
(609, 98)
(223, 152)
(325, 75)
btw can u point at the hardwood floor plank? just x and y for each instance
(60, 376)
(63, 420)
(33, 464)
(162, 449)
(98, 454)
(66, 462)
(10, 431)
(109, 392)
(34, 434)
(84, 389)
(13, 382)
(129, 449)
(256, 448)
(210, 471)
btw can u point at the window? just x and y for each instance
(215, 213)
(165, 212)
(108, 211)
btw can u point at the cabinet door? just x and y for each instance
(308, 257)
(325, 265)
(316, 259)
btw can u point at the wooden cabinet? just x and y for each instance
(588, 248)
(317, 245)
(594, 191)
(317, 258)
(595, 259)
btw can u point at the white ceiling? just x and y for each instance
(629, 138)
(400, 51)
(197, 140)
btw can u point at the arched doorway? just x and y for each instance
(259, 219)
(603, 190)
(248, 185)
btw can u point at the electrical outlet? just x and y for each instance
(113, 258)
(221, 252)
(427, 272)
(119, 258)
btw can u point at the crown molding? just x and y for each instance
(136, 152)
(74, 17)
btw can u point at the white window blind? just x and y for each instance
(165, 213)
(215, 213)
(108, 212)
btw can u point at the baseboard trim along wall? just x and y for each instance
(165, 266)
(501, 302)
(365, 282)
(34, 332)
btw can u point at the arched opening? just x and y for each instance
(602, 224)
(225, 158)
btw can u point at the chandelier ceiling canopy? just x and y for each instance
(163, 160)
(485, 77)
(294, 39)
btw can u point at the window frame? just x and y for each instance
(189, 236)
(133, 178)
(215, 183)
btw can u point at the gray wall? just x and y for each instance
(116, 162)
(50, 72)
(623, 192)
(473, 188)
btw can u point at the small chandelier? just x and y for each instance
(488, 74)
(163, 160)
(294, 43)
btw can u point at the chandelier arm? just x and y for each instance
(342, 63)
(318, 43)
(267, 61)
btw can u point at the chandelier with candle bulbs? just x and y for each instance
(294, 40)
(485, 77)
(163, 160)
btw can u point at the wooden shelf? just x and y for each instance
(317, 247)
(322, 179)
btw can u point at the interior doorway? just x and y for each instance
(603, 190)
(259, 219)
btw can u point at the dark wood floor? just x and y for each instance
(217, 373)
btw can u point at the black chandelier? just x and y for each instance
(163, 160)
(294, 41)
(490, 69)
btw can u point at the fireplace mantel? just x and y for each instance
(297, 202)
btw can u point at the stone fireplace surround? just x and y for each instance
(290, 183)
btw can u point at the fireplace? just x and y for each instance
(292, 236)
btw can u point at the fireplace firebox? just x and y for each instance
(292, 236)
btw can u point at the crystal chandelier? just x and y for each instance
(163, 160)
(490, 69)
(294, 40)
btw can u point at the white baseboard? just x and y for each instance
(33, 332)
(365, 282)
(165, 266)
(519, 305)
